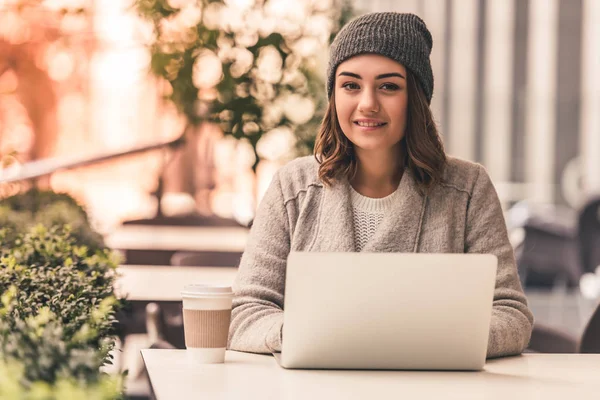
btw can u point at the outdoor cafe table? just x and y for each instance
(251, 376)
(164, 283)
(187, 238)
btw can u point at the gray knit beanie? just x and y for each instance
(401, 37)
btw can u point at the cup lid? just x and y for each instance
(201, 289)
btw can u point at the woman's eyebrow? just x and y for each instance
(391, 74)
(350, 74)
(382, 76)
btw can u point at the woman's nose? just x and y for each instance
(368, 102)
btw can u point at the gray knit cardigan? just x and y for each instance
(298, 213)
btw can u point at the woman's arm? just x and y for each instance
(512, 321)
(257, 315)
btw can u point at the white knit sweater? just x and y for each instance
(368, 213)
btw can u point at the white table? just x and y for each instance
(183, 238)
(164, 283)
(250, 376)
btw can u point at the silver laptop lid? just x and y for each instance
(387, 310)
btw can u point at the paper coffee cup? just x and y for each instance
(206, 319)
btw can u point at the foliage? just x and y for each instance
(22, 211)
(57, 317)
(11, 375)
(253, 71)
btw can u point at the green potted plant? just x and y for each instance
(57, 317)
(22, 211)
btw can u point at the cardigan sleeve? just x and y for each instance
(257, 313)
(486, 232)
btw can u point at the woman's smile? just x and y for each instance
(369, 124)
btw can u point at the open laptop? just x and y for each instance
(387, 311)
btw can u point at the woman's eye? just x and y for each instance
(350, 86)
(390, 87)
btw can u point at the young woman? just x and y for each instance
(379, 182)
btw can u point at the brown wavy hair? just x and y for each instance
(421, 147)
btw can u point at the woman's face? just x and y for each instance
(371, 101)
